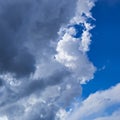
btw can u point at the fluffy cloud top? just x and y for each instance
(43, 56)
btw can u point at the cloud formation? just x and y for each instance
(14, 56)
(43, 58)
(102, 105)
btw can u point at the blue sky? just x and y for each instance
(59, 60)
(105, 47)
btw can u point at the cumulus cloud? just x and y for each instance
(114, 116)
(102, 105)
(43, 56)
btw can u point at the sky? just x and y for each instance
(104, 49)
(59, 60)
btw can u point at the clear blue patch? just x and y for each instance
(68, 108)
(89, 20)
(79, 30)
(105, 48)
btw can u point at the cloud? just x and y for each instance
(115, 116)
(43, 58)
(71, 53)
(71, 50)
(102, 105)
(14, 56)
(3, 118)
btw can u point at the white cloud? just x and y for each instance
(71, 51)
(101, 105)
(34, 85)
(114, 116)
(3, 118)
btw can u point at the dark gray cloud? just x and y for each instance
(14, 94)
(40, 85)
(14, 56)
(33, 84)
(1, 82)
(20, 23)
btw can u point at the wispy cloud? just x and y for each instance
(102, 105)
